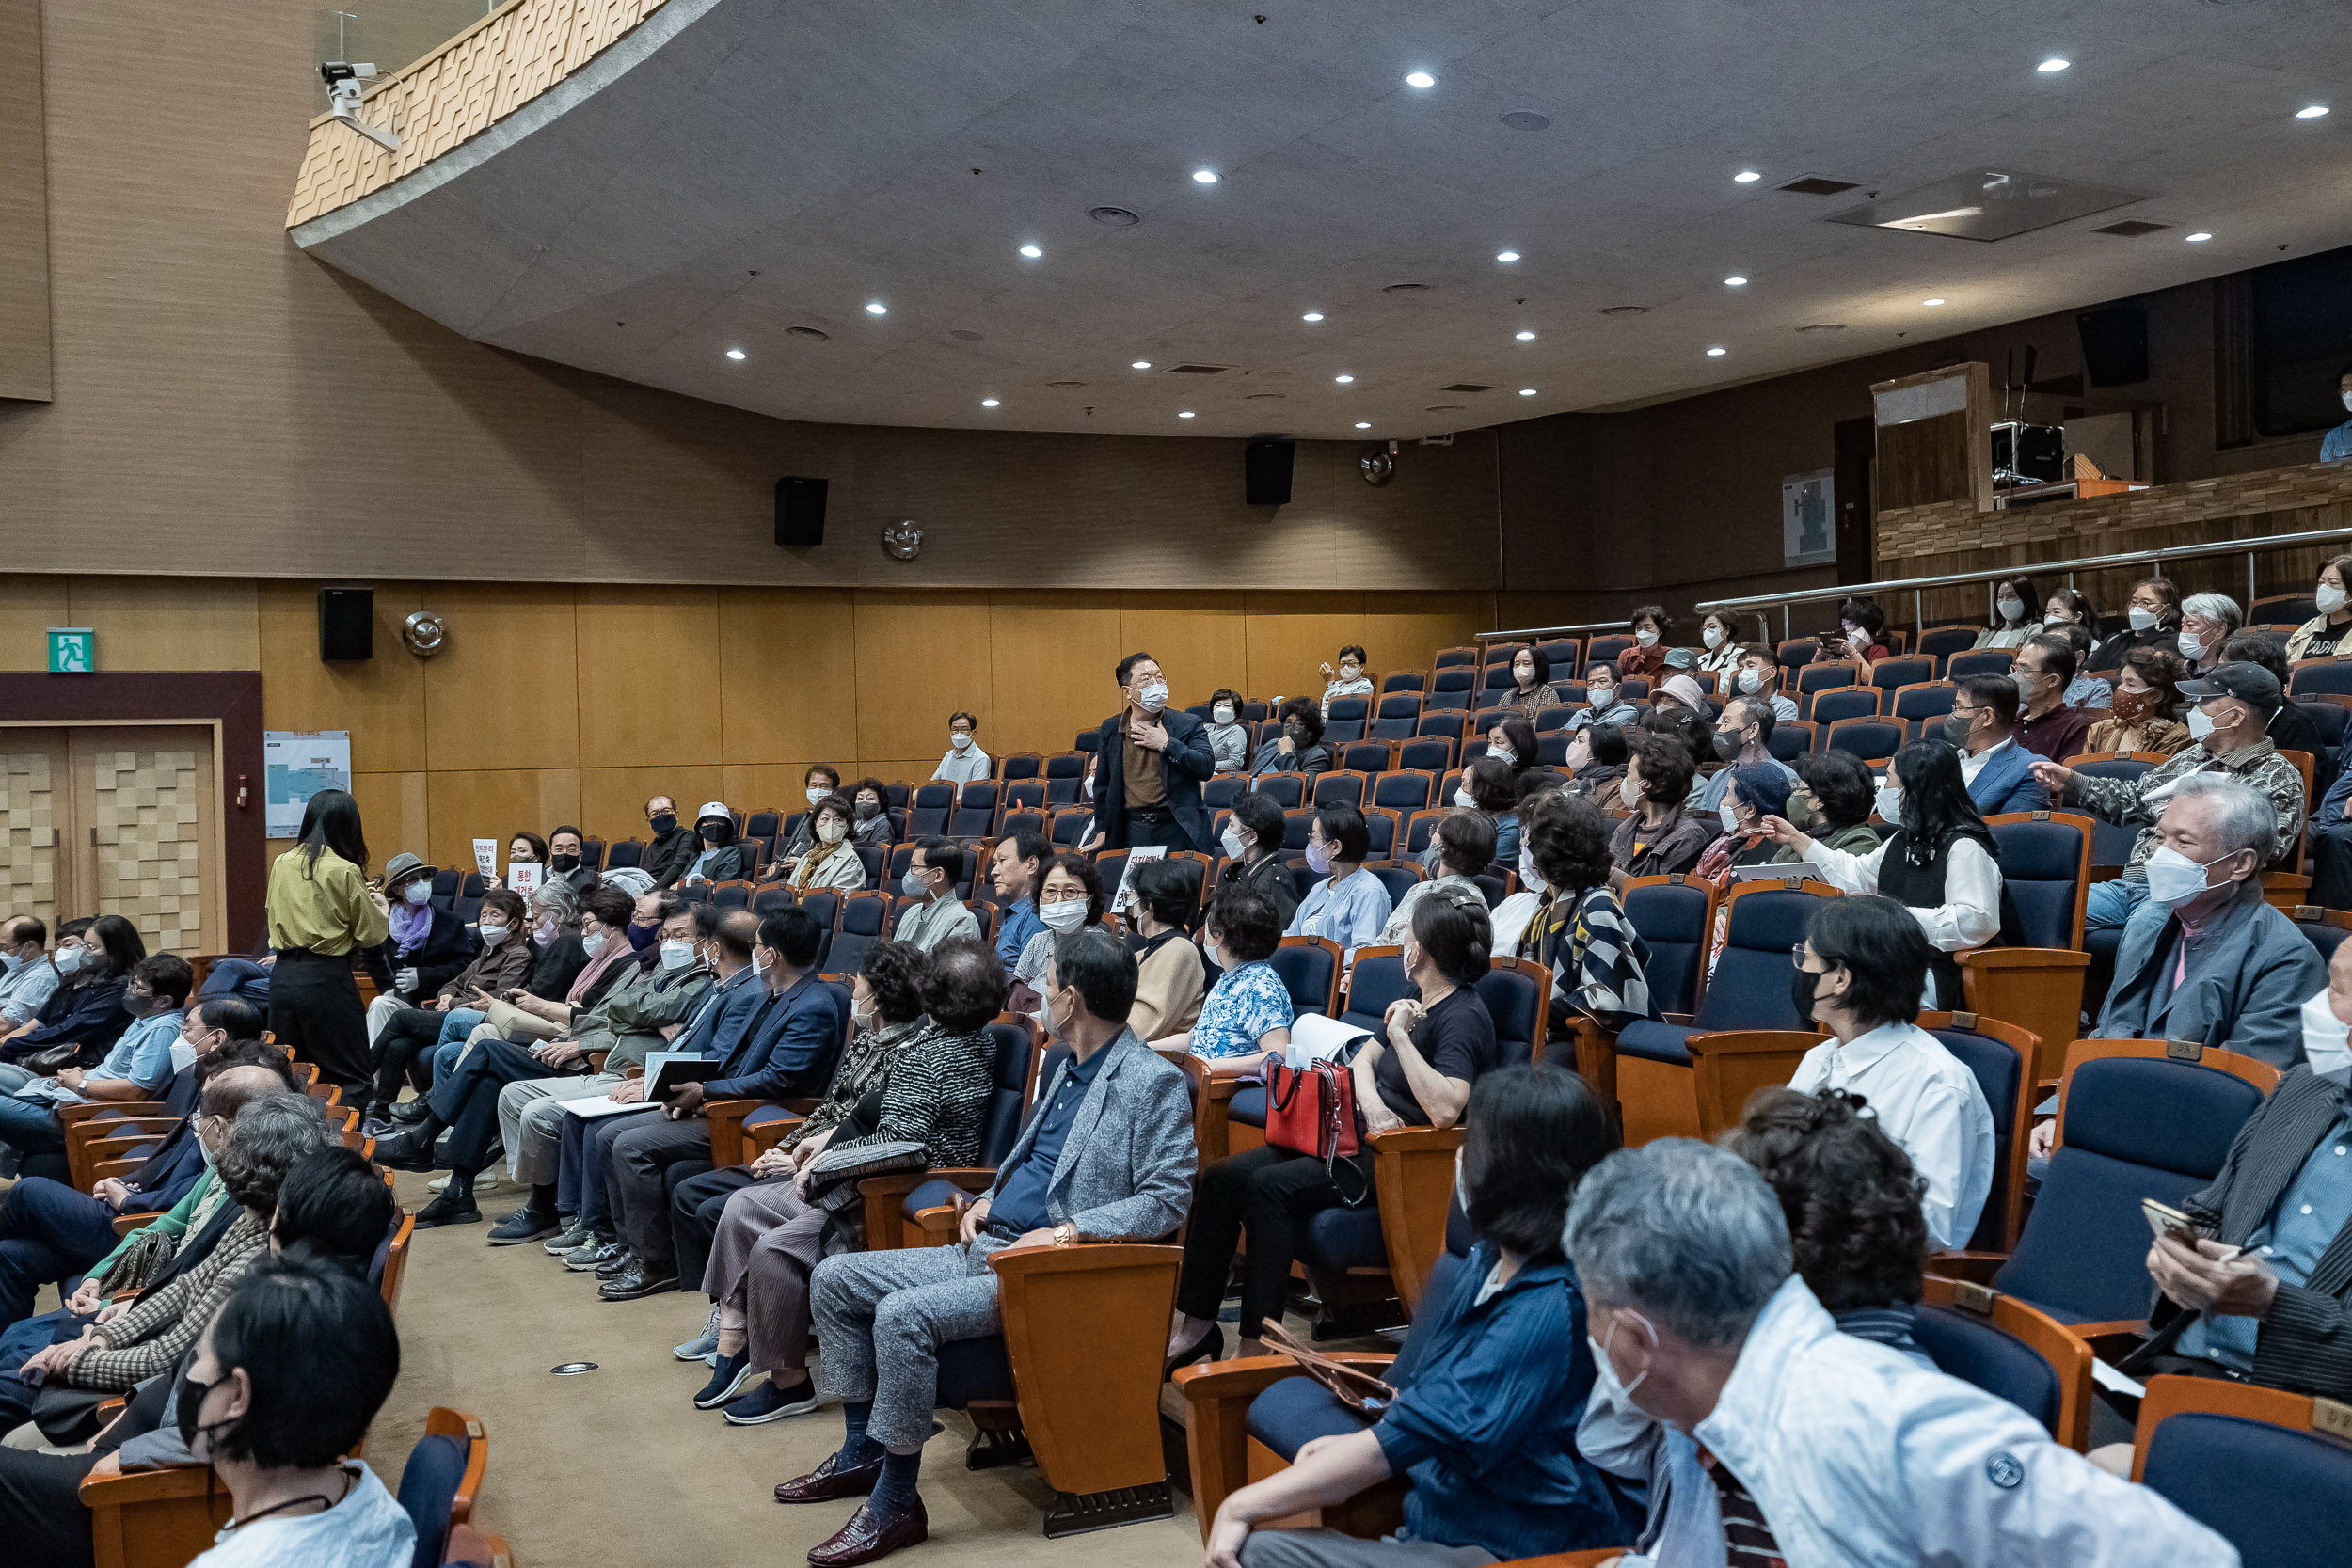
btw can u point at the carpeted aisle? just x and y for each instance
(617, 1467)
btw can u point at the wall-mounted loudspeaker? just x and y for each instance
(2115, 345)
(800, 513)
(346, 623)
(1267, 472)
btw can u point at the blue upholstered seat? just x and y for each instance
(2038, 861)
(2280, 1496)
(1672, 920)
(1520, 1010)
(1972, 1350)
(1375, 982)
(1308, 971)
(1339, 1239)
(1999, 1069)
(428, 1490)
(1750, 987)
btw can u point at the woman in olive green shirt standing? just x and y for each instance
(321, 909)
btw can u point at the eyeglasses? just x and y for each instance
(1796, 956)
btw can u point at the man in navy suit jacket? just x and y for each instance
(1149, 762)
(789, 1049)
(1999, 772)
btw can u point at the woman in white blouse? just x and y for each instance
(1938, 863)
(1719, 638)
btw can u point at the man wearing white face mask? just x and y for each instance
(1151, 761)
(1760, 676)
(2207, 622)
(1720, 1372)
(965, 761)
(2231, 720)
(30, 978)
(933, 912)
(2208, 959)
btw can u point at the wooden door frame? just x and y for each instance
(229, 701)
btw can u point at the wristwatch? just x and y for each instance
(1065, 1234)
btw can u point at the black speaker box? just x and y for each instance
(346, 623)
(2115, 345)
(800, 513)
(1267, 472)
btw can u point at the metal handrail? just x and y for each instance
(1618, 625)
(1919, 586)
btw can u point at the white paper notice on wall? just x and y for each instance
(485, 856)
(297, 764)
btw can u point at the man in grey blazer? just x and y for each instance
(1108, 1156)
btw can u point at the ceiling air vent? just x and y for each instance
(966, 335)
(1116, 217)
(1626, 310)
(2131, 229)
(1405, 288)
(1065, 384)
(1466, 386)
(1526, 119)
(1444, 408)
(1815, 185)
(1197, 370)
(1266, 397)
(1824, 326)
(814, 334)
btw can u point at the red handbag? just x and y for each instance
(1311, 1110)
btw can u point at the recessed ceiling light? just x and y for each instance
(2317, 111)
(1931, 301)
(1421, 79)
(988, 403)
(1312, 316)
(1527, 391)
(1717, 353)
(1031, 251)
(875, 308)
(1506, 255)
(1735, 281)
(1185, 415)
(1746, 177)
(735, 353)
(1525, 337)
(1206, 177)
(1342, 380)
(2054, 64)
(1141, 365)
(2197, 238)
(1363, 424)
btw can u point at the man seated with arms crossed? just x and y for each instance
(1108, 1156)
(1826, 1451)
(138, 1067)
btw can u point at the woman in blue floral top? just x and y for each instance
(1246, 1014)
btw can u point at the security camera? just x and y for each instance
(344, 93)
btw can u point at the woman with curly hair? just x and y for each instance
(1660, 837)
(1569, 918)
(1852, 1196)
(1650, 627)
(2144, 713)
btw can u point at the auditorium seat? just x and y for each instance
(1795, 652)
(1870, 740)
(2111, 843)
(1915, 706)
(442, 1478)
(1451, 688)
(1816, 678)
(1853, 702)
(1606, 650)
(1941, 643)
(1222, 789)
(1065, 771)
(1892, 674)
(2311, 676)
(900, 1208)
(2033, 976)
(1403, 680)
(1336, 789)
(1517, 994)
(2010, 1350)
(1427, 754)
(1368, 757)
(864, 921)
(1310, 968)
(2253, 1465)
(1288, 790)
(1792, 739)
(2001, 1057)
(1979, 662)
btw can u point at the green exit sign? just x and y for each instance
(73, 650)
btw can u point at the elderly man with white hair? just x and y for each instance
(1781, 1439)
(2207, 958)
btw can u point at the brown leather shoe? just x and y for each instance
(865, 1540)
(825, 1483)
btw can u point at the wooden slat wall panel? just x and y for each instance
(24, 345)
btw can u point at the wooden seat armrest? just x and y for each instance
(596, 1056)
(1593, 1557)
(114, 1127)
(148, 1486)
(119, 1169)
(125, 1223)
(726, 1130)
(1978, 1268)
(635, 1069)
(86, 1109)
(972, 1179)
(1216, 1425)
(2123, 1334)
(761, 1137)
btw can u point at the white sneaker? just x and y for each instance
(482, 1183)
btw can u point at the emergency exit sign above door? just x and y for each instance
(72, 651)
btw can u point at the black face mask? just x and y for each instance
(189, 1410)
(666, 822)
(1296, 733)
(868, 810)
(715, 832)
(1956, 728)
(566, 863)
(1802, 983)
(643, 937)
(1729, 744)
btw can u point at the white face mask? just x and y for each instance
(493, 935)
(832, 830)
(1629, 792)
(1645, 637)
(1463, 799)
(1730, 816)
(2199, 724)
(545, 932)
(2174, 878)
(1712, 637)
(1750, 683)
(676, 953)
(1523, 675)
(2192, 648)
(1606, 1376)
(11, 962)
(2329, 599)
(816, 793)
(2011, 609)
(417, 892)
(70, 959)
(1232, 842)
(2347, 400)
(2142, 619)
(593, 944)
(1890, 803)
(1222, 713)
(1502, 755)
(1351, 671)
(1529, 875)
(1063, 915)
(959, 740)
(1318, 858)
(2326, 1045)
(1153, 697)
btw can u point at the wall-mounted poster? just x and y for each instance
(297, 764)
(1807, 535)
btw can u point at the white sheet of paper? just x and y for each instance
(485, 856)
(1315, 1037)
(524, 877)
(1134, 857)
(2114, 1381)
(598, 1105)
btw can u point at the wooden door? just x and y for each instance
(145, 832)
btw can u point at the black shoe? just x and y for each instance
(410, 1111)
(1203, 1349)
(446, 1210)
(769, 1402)
(635, 1281)
(525, 1224)
(727, 1381)
(408, 1151)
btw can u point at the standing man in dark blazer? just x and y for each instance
(1149, 762)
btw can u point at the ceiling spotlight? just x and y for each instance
(2197, 238)
(1735, 281)
(1185, 415)
(1717, 353)
(1031, 251)
(735, 353)
(1746, 177)
(1525, 337)
(1506, 255)
(875, 308)
(1931, 301)
(1342, 380)
(2317, 111)
(1205, 177)
(1363, 424)
(1141, 365)
(988, 403)
(2054, 64)
(1421, 79)
(1312, 316)
(1527, 391)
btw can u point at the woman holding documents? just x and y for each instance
(1417, 1073)
(320, 908)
